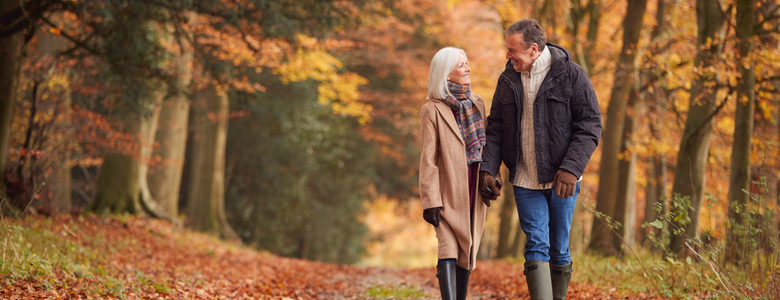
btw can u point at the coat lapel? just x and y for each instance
(446, 112)
(480, 106)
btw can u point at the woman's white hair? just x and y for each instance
(442, 65)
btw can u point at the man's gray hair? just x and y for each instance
(531, 30)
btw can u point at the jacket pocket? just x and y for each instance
(558, 108)
(559, 139)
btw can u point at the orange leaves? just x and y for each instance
(152, 259)
(96, 135)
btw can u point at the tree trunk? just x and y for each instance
(739, 178)
(206, 195)
(506, 216)
(690, 171)
(122, 186)
(576, 14)
(594, 8)
(10, 60)
(57, 86)
(165, 178)
(655, 190)
(625, 211)
(118, 186)
(607, 197)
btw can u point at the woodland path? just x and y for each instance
(140, 258)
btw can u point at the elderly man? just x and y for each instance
(544, 124)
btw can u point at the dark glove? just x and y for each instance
(564, 184)
(432, 215)
(489, 187)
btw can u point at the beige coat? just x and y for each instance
(444, 182)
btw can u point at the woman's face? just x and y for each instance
(460, 74)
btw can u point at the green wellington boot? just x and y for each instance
(462, 282)
(561, 276)
(446, 275)
(537, 276)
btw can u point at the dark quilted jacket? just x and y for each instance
(567, 120)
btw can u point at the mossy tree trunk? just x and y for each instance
(206, 195)
(165, 178)
(122, 186)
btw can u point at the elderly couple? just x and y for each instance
(544, 124)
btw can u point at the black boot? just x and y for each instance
(462, 279)
(537, 276)
(561, 275)
(446, 275)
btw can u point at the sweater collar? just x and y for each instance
(542, 62)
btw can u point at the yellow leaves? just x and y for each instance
(339, 89)
(451, 3)
(767, 108)
(55, 31)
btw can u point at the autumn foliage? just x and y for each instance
(151, 259)
(301, 120)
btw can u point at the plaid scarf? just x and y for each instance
(470, 122)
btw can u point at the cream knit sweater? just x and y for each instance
(527, 176)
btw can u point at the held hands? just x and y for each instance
(489, 186)
(564, 184)
(432, 215)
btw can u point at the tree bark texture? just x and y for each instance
(739, 178)
(691, 167)
(165, 177)
(607, 197)
(206, 196)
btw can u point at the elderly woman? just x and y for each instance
(452, 133)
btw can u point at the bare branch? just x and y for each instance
(78, 43)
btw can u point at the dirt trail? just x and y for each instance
(138, 258)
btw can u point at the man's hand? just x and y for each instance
(489, 187)
(432, 215)
(564, 184)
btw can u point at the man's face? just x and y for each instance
(523, 59)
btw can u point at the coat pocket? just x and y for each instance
(558, 108)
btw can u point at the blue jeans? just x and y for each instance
(546, 221)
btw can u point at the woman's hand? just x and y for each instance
(432, 215)
(489, 186)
